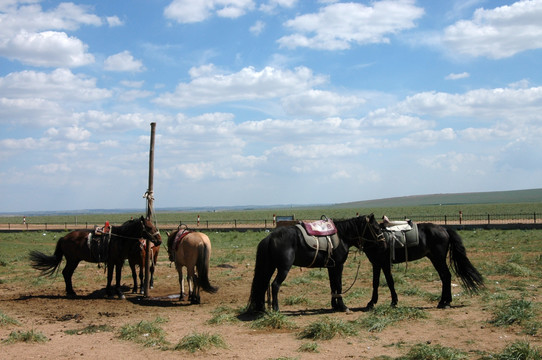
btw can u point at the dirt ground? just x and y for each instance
(48, 311)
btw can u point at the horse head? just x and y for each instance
(375, 231)
(150, 232)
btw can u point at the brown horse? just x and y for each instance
(138, 256)
(192, 250)
(77, 246)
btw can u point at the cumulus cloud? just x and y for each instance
(57, 85)
(497, 33)
(247, 84)
(191, 11)
(338, 26)
(123, 61)
(458, 76)
(36, 37)
(48, 48)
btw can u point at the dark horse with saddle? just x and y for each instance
(408, 241)
(110, 245)
(326, 243)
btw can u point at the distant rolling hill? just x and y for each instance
(492, 197)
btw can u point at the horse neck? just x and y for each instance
(129, 229)
(349, 231)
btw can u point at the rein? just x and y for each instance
(143, 230)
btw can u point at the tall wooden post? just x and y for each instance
(150, 199)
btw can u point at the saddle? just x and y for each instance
(98, 243)
(173, 244)
(320, 235)
(400, 234)
(324, 227)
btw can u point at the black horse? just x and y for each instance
(76, 246)
(285, 247)
(435, 242)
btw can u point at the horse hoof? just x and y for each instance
(444, 306)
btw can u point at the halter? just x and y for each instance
(143, 230)
(379, 237)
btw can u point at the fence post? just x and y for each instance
(488, 219)
(445, 220)
(534, 217)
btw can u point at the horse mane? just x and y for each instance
(351, 225)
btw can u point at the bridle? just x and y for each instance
(144, 231)
(376, 238)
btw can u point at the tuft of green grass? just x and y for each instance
(148, 333)
(200, 342)
(91, 329)
(311, 347)
(273, 320)
(433, 352)
(327, 328)
(6, 320)
(514, 311)
(222, 315)
(25, 336)
(296, 300)
(519, 350)
(383, 316)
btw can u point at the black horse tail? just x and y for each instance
(47, 264)
(260, 282)
(471, 279)
(202, 265)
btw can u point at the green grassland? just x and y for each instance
(508, 202)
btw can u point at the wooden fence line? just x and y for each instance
(456, 220)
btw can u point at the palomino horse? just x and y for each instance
(192, 250)
(286, 246)
(138, 256)
(434, 242)
(76, 247)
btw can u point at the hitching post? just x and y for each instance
(150, 199)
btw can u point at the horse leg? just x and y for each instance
(110, 268)
(275, 286)
(181, 283)
(335, 282)
(134, 276)
(195, 291)
(376, 284)
(118, 273)
(151, 282)
(67, 273)
(141, 282)
(391, 284)
(446, 279)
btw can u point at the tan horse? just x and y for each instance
(192, 250)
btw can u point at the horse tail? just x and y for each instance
(471, 279)
(47, 264)
(202, 265)
(262, 276)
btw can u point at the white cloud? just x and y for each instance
(191, 11)
(338, 26)
(58, 85)
(114, 21)
(34, 37)
(48, 48)
(319, 103)
(247, 84)
(454, 76)
(499, 103)
(257, 28)
(498, 33)
(123, 61)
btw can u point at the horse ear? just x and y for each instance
(167, 233)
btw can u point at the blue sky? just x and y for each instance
(266, 102)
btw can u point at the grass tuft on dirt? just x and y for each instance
(200, 342)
